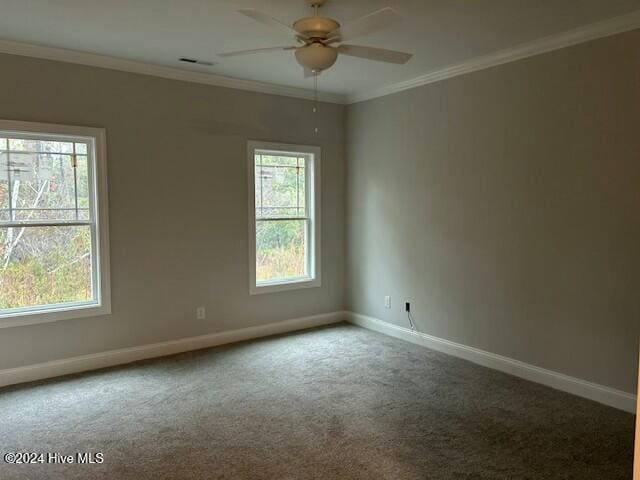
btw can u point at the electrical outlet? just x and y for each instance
(407, 307)
(200, 313)
(387, 302)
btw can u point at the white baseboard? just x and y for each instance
(599, 393)
(121, 356)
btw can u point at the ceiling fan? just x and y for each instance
(317, 36)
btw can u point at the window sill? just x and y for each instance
(34, 317)
(284, 286)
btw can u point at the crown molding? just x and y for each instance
(132, 66)
(594, 31)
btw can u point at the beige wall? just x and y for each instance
(178, 202)
(505, 205)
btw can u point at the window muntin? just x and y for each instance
(284, 229)
(50, 242)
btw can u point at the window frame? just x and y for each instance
(99, 226)
(313, 230)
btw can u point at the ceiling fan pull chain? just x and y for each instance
(315, 101)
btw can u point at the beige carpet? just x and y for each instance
(333, 403)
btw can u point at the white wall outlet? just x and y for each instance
(387, 302)
(201, 313)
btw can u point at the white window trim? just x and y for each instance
(315, 202)
(51, 313)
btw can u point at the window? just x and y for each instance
(284, 217)
(53, 223)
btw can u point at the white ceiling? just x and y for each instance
(439, 32)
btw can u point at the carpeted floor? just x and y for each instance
(332, 403)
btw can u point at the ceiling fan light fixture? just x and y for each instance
(316, 56)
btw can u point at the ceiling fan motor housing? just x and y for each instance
(316, 56)
(315, 27)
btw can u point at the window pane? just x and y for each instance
(39, 146)
(82, 174)
(21, 144)
(44, 186)
(279, 186)
(4, 200)
(278, 160)
(81, 148)
(280, 249)
(4, 188)
(45, 265)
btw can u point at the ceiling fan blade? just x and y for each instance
(365, 25)
(255, 50)
(377, 54)
(265, 19)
